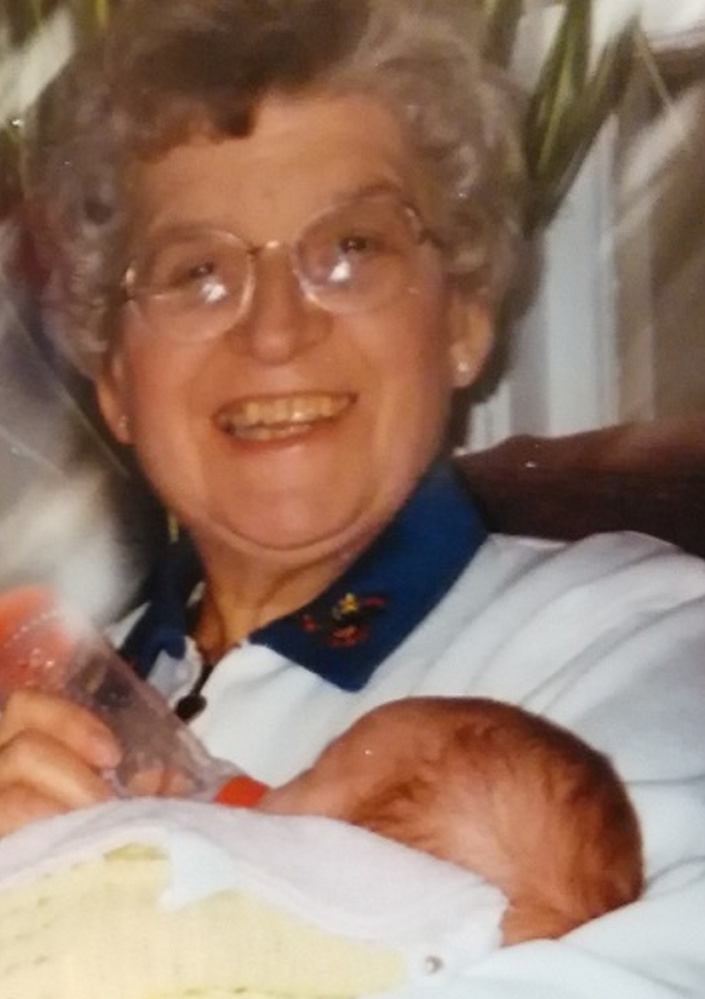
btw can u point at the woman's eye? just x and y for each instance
(200, 278)
(200, 271)
(190, 273)
(361, 244)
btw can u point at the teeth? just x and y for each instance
(264, 418)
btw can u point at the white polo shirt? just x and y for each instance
(605, 636)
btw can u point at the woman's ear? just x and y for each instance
(471, 329)
(111, 400)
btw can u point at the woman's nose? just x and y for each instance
(280, 321)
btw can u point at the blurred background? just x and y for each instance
(616, 331)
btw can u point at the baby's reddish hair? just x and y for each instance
(517, 799)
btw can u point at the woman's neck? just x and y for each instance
(241, 598)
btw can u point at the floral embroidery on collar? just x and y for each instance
(347, 622)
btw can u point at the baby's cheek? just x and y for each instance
(305, 795)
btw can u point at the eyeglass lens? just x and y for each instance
(196, 283)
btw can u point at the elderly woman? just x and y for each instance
(278, 232)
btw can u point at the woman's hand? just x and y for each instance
(51, 755)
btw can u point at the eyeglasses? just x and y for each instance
(195, 283)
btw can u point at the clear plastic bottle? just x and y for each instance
(44, 645)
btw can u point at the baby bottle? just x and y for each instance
(45, 645)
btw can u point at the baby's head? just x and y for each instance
(486, 785)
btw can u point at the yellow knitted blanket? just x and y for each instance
(97, 930)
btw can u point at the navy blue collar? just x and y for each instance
(345, 633)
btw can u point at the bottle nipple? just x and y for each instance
(241, 792)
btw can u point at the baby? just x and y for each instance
(490, 787)
(197, 898)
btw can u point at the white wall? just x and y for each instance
(563, 374)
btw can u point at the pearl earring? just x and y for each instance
(462, 368)
(123, 426)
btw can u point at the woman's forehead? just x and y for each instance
(302, 155)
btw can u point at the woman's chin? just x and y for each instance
(296, 540)
(305, 542)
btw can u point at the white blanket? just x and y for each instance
(340, 879)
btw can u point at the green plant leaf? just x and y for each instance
(602, 93)
(561, 82)
(501, 22)
(21, 18)
(90, 16)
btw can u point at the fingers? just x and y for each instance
(51, 755)
(160, 782)
(20, 806)
(74, 726)
(45, 765)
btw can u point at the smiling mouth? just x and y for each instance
(281, 417)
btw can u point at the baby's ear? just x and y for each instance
(393, 810)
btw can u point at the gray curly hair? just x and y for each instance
(165, 70)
